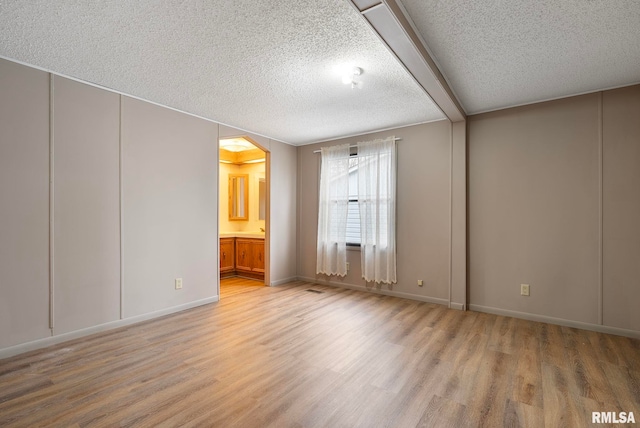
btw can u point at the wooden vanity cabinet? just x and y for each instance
(244, 254)
(227, 257)
(250, 257)
(242, 257)
(258, 256)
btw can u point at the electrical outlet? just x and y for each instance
(347, 266)
(178, 283)
(420, 283)
(524, 289)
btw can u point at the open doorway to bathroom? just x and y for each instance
(244, 211)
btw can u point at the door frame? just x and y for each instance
(267, 219)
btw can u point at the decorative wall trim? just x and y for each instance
(600, 211)
(436, 300)
(121, 206)
(51, 202)
(558, 321)
(54, 340)
(450, 214)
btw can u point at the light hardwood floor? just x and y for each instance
(287, 357)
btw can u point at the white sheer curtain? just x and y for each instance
(332, 213)
(377, 203)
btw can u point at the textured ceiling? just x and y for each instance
(270, 66)
(501, 53)
(266, 66)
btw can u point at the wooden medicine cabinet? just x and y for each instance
(238, 197)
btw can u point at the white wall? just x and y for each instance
(170, 191)
(165, 163)
(87, 206)
(135, 205)
(283, 212)
(533, 186)
(424, 215)
(621, 208)
(24, 204)
(554, 204)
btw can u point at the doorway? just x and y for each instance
(243, 210)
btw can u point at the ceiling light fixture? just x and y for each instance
(349, 78)
(236, 144)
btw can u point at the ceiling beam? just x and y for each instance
(386, 17)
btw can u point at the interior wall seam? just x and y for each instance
(121, 207)
(450, 209)
(600, 208)
(51, 204)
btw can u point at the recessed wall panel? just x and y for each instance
(534, 209)
(87, 206)
(24, 204)
(170, 207)
(283, 236)
(621, 209)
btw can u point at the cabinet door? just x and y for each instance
(243, 254)
(227, 255)
(258, 256)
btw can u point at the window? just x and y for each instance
(357, 208)
(353, 210)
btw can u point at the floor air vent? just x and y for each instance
(314, 291)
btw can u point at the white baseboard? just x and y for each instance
(283, 281)
(54, 340)
(559, 321)
(458, 306)
(410, 296)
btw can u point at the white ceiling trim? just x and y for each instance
(562, 97)
(396, 30)
(375, 131)
(242, 132)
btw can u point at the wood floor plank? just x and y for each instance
(442, 412)
(460, 386)
(625, 385)
(552, 345)
(562, 406)
(409, 404)
(528, 375)
(522, 415)
(492, 385)
(585, 367)
(286, 357)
